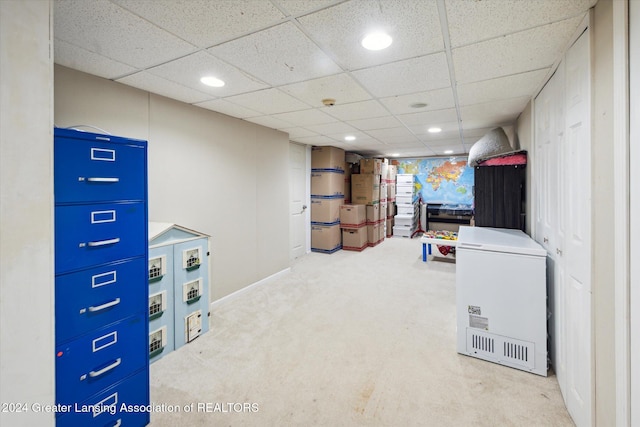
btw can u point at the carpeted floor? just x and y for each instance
(348, 339)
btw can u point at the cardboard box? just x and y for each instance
(354, 239)
(326, 211)
(365, 189)
(391, 190)
(383, 191)
(371, 166)
(325, 184)
(353, 216)
(373, 233)
(347, 189)
(327, 158)
(405, 200)
(391, 209)
(392, 171)
(407, 209)
(326, 238)
(389, 226)
(373, 213)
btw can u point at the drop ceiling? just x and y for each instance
(474, 63)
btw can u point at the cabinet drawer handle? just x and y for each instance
(99, 179)
(104, 242)
(94, 374)
(105, 305)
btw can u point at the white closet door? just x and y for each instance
(298, 211)
(576, 248)
(549, 132)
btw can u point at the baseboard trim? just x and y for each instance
(228, 298)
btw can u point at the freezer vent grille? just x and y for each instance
(500, 349)
(518, 352)
(515, 351)
(484, 344)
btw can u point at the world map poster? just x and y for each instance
(440, 180)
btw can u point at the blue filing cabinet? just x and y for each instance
(101, 289)
(178, 287)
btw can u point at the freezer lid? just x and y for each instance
(498, 240)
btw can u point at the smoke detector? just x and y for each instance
(329, 102)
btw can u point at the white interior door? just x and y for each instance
(298, 203)
(576, 248)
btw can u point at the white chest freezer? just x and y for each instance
(501, 298)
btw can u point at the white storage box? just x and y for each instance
(405, 190)
(406, 209)
(406, 200)
(403, 231)
(405, 220)
(404, 179)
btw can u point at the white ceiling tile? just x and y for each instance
(472, 21)
(375, 123)
(449, 129)
(340, 87)
(492, 113)
(315, 140)
(301, 7)
(229, 108)
(409, 76)
(268, 101)
(105, 28)
(188, 70)
(395, 133)
(516, 53)
(413, 25)
(154, 84)
(429, 118)
(205, 22)
(332, 128)
(306, 117)
(270, 122)
(357, 110)
(86, 61)
(438, 99)
(513, 86)
(298, 132)
(277, 55)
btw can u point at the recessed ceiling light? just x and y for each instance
(376, 41)
(212, 81)
(349, 138)
(394, 155)
(418, 105)
(448, 152)
(434, 130)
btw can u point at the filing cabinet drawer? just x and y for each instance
(100, 358)
(95, 234)
(96, 297)
(104, 409)
(98, 170)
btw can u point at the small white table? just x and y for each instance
(428, 241)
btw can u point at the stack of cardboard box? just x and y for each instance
(327, 195)
(390, 179)
(353, 222)
(408, 212)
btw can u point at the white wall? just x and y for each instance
(26, 211)
(213, 173)
(602, 172)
